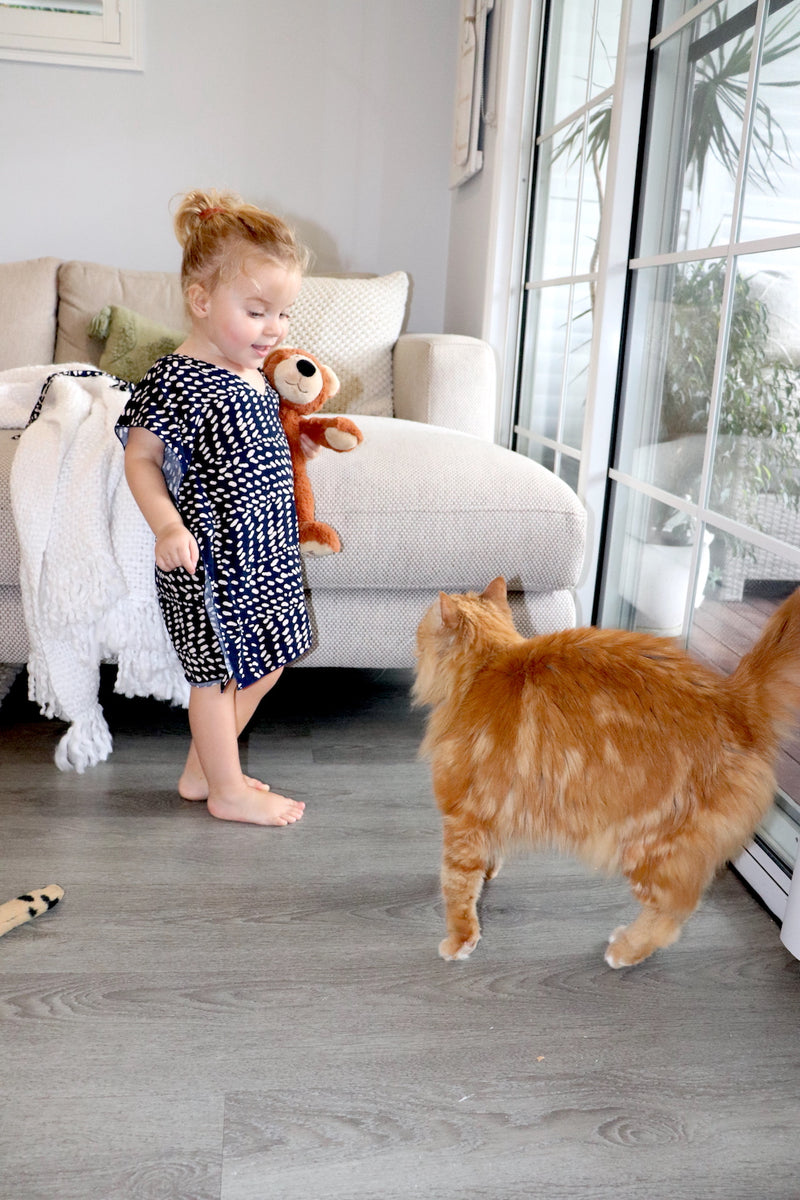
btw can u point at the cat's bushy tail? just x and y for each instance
(770, 671)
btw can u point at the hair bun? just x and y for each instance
(219, 230)
(196, 207)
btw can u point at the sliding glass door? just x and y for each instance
(699, 533)
(705, 516)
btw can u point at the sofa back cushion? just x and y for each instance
(28, 302)
(84, 288)
(351, 324)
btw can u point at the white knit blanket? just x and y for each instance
(86, 573)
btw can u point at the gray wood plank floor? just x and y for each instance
(218, 1012)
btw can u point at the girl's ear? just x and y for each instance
(197, 299)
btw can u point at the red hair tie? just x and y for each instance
(209, 212)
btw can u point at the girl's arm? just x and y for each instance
(144, 456)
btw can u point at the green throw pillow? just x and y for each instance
(132, 342)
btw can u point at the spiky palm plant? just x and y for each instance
(719, 96)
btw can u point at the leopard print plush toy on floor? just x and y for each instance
(29, 905)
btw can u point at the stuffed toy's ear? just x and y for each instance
(331, 381)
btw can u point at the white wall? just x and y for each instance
(337, 114)
(488, 215)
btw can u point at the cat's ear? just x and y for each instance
(447, 609)
(496, 591)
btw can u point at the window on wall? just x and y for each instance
(99, 33)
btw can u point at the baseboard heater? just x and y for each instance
(771, 880)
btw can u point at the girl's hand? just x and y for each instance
(309, 446)
(176, 547)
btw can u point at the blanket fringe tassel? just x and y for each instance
(87, 742)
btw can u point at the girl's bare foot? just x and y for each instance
(256, 806)
(195, 787)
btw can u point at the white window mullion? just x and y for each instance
(610, 295)
(686, 19)
(574, 117)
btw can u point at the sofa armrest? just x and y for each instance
(446, 379)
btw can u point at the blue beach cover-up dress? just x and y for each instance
(227, 467)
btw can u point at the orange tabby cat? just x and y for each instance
(615, 746)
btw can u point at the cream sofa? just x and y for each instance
(427, 502)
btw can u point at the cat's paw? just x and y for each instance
(615, 958)
(618, 953)
(631, 944)
(624, 950)
(454, 948)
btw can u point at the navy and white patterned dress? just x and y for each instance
(227, 467)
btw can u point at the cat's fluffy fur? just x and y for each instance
(615, 746)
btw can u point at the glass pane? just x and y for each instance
(568, 470)
(571, 55)
(745, 586)
(577, 365)
(569, 46)
(742, 574)
(773, 170)
(756, 475)
(593, 179)
(556, 208)
(669, 374)
(604, 66)
(567, 196)
(695, 131)
(649, 567)
(546, 332)
(535, 451)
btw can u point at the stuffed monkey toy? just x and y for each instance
(304, 385)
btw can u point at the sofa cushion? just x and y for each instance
(405, 503)
(352, 325)
(411, 497)
(13, 633)
(84, 288)
(28, 302)
(366, 628)
(131, 342)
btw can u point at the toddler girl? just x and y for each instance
(208, 464)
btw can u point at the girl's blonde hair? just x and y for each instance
(219, 232)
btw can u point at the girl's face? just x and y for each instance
(236, 324)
